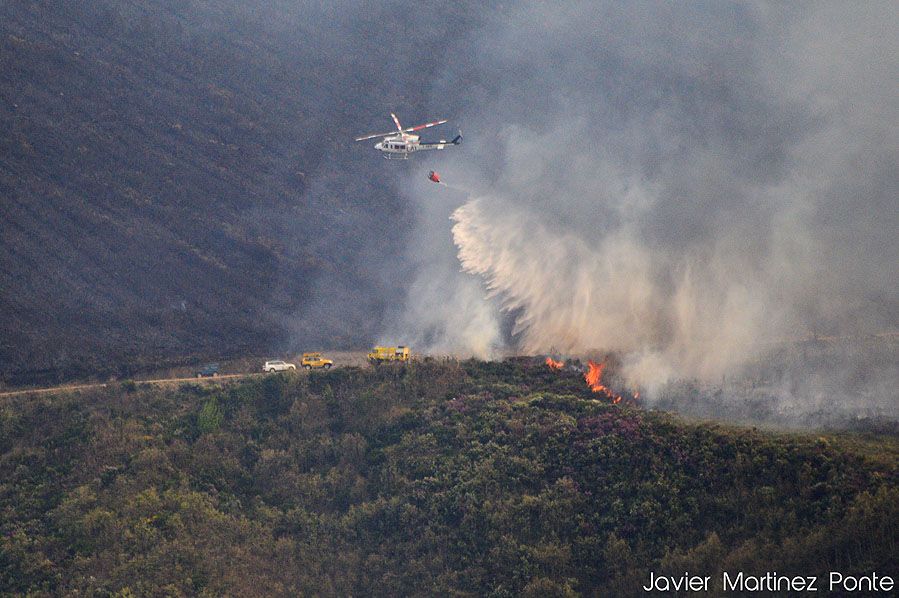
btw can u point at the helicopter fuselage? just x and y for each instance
(399, 147)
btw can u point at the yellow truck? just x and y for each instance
(388, 354)
(315, 360)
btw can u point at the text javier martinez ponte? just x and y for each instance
(771, 581)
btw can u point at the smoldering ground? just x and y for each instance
(684, 184)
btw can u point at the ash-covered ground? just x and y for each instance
(839, 382)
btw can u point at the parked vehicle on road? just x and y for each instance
(210, 369)
(315, 360)
(277, 365)
(388, 354)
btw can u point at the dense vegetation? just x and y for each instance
(432, 479)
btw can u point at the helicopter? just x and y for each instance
(400, 144)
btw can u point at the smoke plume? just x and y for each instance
(684, 184)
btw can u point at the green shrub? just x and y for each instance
(210, 417)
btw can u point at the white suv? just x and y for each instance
(277, 366)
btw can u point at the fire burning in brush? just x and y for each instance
(593, 376)
(554, 365)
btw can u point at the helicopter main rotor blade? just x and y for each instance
(396, 121)
(425, 126)
(375, 135)
(400, 128)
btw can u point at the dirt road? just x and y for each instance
(249, 365)
(157, 381)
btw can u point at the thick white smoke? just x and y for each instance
(683, 184)
(695, 315)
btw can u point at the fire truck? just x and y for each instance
(380, 355)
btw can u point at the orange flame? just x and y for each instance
(553, 364)
(594, 381)
(594, 376)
